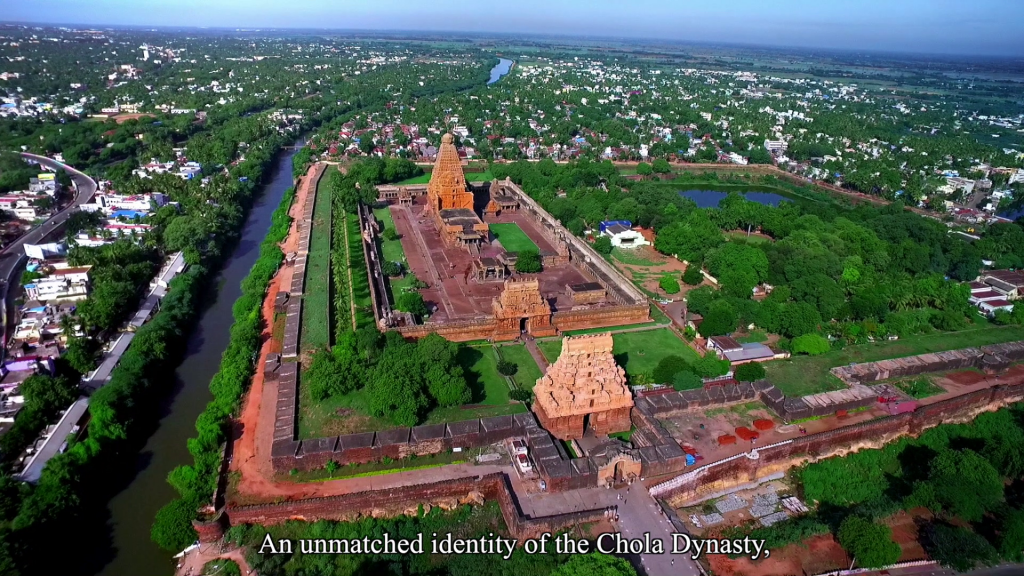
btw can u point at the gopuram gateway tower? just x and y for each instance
(584, 390)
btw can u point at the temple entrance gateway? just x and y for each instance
(584, 390)
(520, 309)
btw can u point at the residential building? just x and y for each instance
(1008, 283)
(66, 283)
(624, 237)
(737, 353)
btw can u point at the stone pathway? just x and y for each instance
(542, 362)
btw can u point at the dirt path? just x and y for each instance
(193, 562)
(254, 429)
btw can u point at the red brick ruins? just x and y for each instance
(472, 284)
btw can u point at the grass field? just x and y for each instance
(470, 177)
(512, 237)
(316, 304)
(392, 250)
(743, 236)
(360, 280)
(802, 375)
(637, 352)
(922, 387)
(481, 366)
(752, 338)
(528, 372)
(636, 257)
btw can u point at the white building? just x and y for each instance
(110, 203)
(71, 283)
(623, 237)
(44, 251)
(737, 159)
(20, 206)
(774, 146)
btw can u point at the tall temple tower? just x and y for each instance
(447, 188)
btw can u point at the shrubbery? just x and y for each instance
(172, 529)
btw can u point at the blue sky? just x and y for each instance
(933, 26)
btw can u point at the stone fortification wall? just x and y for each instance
(314, 453)
(374, 259)
(406, 500)
(718, 477)
(304, 226)
(600, 317)
(458, 331)
(991, 358)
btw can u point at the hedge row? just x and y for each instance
(196, 483)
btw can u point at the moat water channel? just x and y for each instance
(132, 510)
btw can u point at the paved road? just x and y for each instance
(86, 188)
(12, 255)
(55, 442)
(172, 268)
(640, 514)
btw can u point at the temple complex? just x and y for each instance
(583, 390)
(447, 232)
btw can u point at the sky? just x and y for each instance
(975, 27)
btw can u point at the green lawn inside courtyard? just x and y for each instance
(803, 375)
(360, 278)
(528, 373)
(512, 237)
(392, 251)
(637, 352)
(316, 305)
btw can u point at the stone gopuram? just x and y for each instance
(584, 390)
(520, 309)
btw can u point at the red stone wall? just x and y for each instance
(396, 501)
(601, 317)
(702, 482)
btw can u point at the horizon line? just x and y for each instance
(649, 39)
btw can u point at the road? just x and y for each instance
(11, 255)
(86, 187)
(640, 514)
(171, 269)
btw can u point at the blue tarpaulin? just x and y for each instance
(609, 223)
(690, 460)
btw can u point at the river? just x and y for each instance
(132, 510)
(503, 67)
